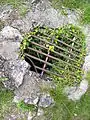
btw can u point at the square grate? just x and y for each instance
(57, 51)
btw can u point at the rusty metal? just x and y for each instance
(44, 40)
(58, 47)
(68, 56)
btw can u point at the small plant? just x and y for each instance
(26, 107)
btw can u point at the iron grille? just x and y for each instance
(66, 49)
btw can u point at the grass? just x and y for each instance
(83, 5)
(65, 109)
(14, 3)
(6, 97)
(26, 107)
(17, 4)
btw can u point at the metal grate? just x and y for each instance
(66, 51)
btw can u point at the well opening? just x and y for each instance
(56, 52)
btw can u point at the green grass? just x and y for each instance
(14, 3)
(65, 109)
(26, 107)
(6, 97)
(83, 5)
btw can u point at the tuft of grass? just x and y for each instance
(6, 97)
(86, 14)
(26, 107)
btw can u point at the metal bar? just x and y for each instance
(64, 37)
(52, 44)
(72, 40)
(54, 51)
(44, 66)
(75, 35)
(62, 43)
(49, 71)
(71, 50)
(50, 55)
(48, 62)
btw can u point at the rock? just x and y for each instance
(69, 90)
(86, 65)
(16, 99)
(86, 29)
(23, 25)
(8, 14)
(9, 33)
(45, 101)
(40, 112)
(76, 93)
(9, 50)
(29, 91)
(32, 100)
(31, 115)
(2, 60)
(16, 69)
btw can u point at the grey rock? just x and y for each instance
(8, 14)
(9, 84)
(2, 60)
(33, 100)
(16, 69)
(10, 33)
(86, 66)
(31, 115)
(23, 25)
(45, 101)
(86, 30)
(76, 93)
(29, 91)
(9, 50)
(69, 90)
(16, 99)
(40, 112)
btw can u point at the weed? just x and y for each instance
(26, 107)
